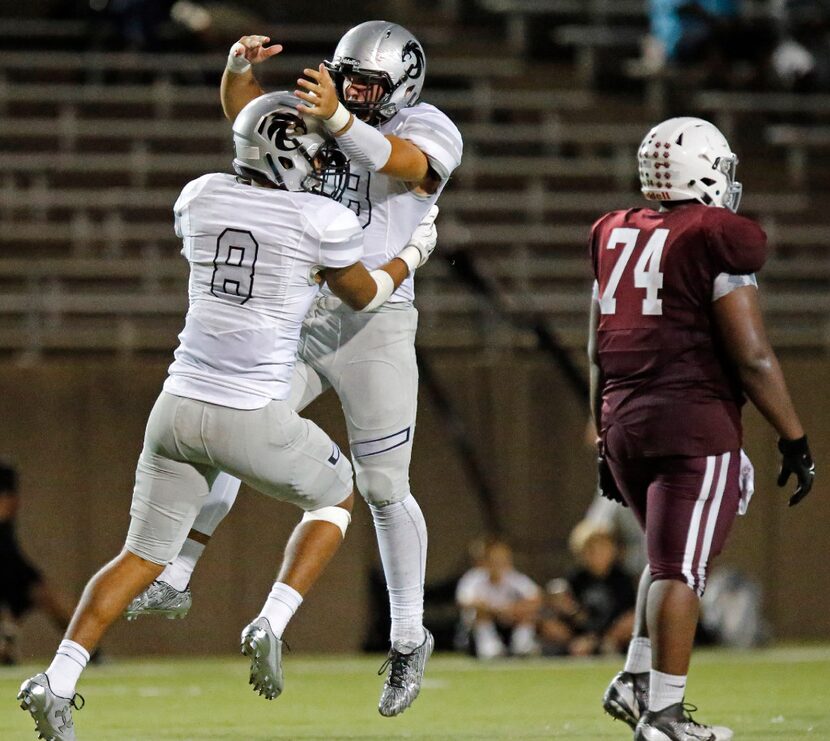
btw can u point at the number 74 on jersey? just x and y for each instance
(647, 273)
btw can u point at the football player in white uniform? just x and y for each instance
(401, 153)
(255, 245)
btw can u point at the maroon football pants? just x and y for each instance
(686, 507)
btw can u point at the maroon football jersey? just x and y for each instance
(667, 382)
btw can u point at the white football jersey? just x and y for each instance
(251, 251)
(387, 209)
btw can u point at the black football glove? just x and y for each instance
(607, 485)
(796, 459)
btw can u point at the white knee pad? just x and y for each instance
(335, 515)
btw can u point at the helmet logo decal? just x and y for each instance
(413, 53)
(282, 128)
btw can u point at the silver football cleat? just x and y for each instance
(403, 682)
(264, 649)
(160, 599)
(626, 698)
(675, 723)
(52, 714)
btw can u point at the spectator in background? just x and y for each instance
(499, 606)
(22, 587)
(729, 50)
(620, 521)
(591, 610)
(687, 29)
(801, 60)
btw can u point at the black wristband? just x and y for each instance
(793, 447)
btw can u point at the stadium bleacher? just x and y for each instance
(94, 147)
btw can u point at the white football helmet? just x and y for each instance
(274, 143)
(688, 158)
(383, 56)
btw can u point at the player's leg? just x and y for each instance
(692, 505)
(626, 697)
(370, 361)
(222, 495)
(169, 595)
(279, 453)
(377, 381)
(311, 546)
(165, 503)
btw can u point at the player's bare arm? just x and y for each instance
(399, 159)
(363, 290)
(356, 286)
(239, 86)
(739, 320)
(741, 325)
(595, 372)
(605, 480)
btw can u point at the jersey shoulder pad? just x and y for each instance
(189, 193)
(197, 186)
(337, 230)
(600, 226)
(327, 218)
(736, 244)
(432, 131)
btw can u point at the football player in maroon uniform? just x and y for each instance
(676, 342)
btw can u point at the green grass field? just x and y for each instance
(781, 694)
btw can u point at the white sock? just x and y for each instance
(279, 608)
(638, 659)
(70, 660)
(665, 690)
(178, 572)
(402, 540)
(487, 640)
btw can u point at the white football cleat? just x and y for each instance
(264, 649)
(52, 714)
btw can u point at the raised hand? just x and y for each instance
(319, 93)
(253, 49)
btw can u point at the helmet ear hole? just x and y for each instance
(286, 163)
(707, 181)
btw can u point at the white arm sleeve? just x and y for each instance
(365, 145)
(725, 283)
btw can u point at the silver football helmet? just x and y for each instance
(688, 158)
(378, 68)
(274, 143)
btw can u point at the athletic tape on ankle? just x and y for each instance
(335, 515)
